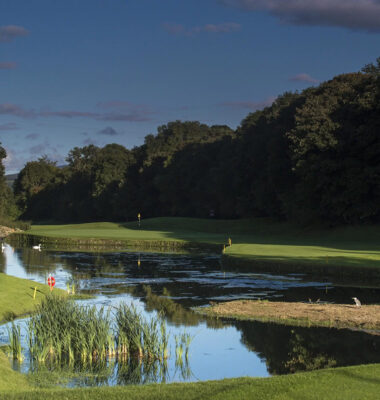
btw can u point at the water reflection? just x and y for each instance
(102, 373)
(289, 349)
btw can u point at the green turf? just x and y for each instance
(16, 296)
(252, 239)
(10, 380)
(361, 382)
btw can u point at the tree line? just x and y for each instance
(312, 156)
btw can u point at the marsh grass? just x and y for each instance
(64, 330)
(15, 348)
(66, 336)
(61, 329)
(138, 337)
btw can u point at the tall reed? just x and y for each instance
(138, 337)
(15, 348)
(64, 330)
(66, 333)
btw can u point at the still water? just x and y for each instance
(172, 284)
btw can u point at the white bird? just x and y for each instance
(37, 247)
(357, 302)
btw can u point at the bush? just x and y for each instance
(23, 225)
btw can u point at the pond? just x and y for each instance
(172, 284)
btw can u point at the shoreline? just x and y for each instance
(16, 296)
(148, 244)
(340, 316)
(252, 264)
(241, 263)
(257, 245)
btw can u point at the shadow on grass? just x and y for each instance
(358, 377)
(250, 231)
(328, 262)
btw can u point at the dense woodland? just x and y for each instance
(310, 157)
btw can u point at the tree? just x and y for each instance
(335, 151)
(34, 178)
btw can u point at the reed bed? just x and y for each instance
(62, 331)
(138, 337)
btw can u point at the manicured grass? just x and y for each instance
(11, 381)
(16, 296)
(360, 382)
(257, 242)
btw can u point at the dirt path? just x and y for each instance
(305, 314)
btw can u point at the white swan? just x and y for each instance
(37, 247)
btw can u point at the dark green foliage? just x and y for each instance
(310, 157)
(8, 208)
(35, 178)
(335, 151)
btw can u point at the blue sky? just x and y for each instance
(111, 71)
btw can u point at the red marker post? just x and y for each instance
(51, 282)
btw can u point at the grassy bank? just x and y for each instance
(11, 381)
(342, 383)
(300, 314)
(257, 244)
(16, 296)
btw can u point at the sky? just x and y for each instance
(79, 72)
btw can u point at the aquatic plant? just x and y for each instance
(164, 343)
(65, 330)
(178, 350)
(183, 342)
(186, 340)
(15, 348)
(129, 331)
(138, 337)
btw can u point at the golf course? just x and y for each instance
(190, 200)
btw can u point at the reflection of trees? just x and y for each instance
(292, 349)
(36, 262)
(175, 312)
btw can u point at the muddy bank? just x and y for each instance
(6, 231)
